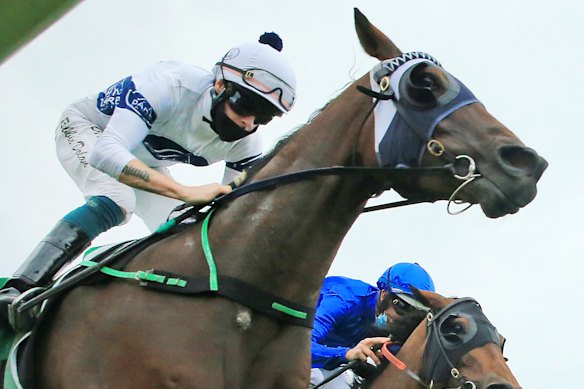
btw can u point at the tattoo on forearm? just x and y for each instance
(132, 171)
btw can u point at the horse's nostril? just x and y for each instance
(499, 386)
(522, 160)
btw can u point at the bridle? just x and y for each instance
(440, 353)
(387, 84)
(422, 129)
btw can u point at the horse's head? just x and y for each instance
(462, 347)
(430, 118)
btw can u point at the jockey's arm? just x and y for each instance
(112, 155)
(138, 175)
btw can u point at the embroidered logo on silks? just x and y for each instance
(107, 101)
(123, 94)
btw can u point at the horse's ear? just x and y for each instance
(375, 43)
(420, 297)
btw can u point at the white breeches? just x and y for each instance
(343, 381)
(74, 137)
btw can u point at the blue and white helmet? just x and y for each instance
(262, 69)
(398, 279)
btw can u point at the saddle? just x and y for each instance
(107, 263)
(17, 344)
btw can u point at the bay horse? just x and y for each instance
(455, 346)
(282, 241)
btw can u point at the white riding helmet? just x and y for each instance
(261, 69)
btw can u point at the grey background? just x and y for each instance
(523, 59)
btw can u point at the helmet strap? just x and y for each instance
(224, 94)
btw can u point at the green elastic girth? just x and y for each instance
(289, 311)
(139, 275)
(150, 276)
(213, 283)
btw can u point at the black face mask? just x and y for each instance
(227, 130)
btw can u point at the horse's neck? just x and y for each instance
(294, 231)
(411, 354)
(336, 136)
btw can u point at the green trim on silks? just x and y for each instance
(213, 283)
(289, 311)
(140, 275)
(3, 281)
(165, 227)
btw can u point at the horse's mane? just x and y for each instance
(263, 161)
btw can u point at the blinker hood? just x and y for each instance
(405, 123)
(444, 349)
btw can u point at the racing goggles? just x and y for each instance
(246, 103)
(266, 83)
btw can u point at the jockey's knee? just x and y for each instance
(97, 215)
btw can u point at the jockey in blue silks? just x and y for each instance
(347, 309)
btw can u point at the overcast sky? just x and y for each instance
(523, 59)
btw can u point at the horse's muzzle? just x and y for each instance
(521, 161)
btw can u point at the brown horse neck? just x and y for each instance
(307, 220)
(340, 134)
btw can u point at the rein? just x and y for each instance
(382, 73)
(289, 178)
(401, 366)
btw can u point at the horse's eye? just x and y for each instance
(452, 329)
(427, 81)
(418, 86)
(453, 338)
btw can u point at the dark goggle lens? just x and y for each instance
(250, 106)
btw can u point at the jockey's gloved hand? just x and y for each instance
(238, 180)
